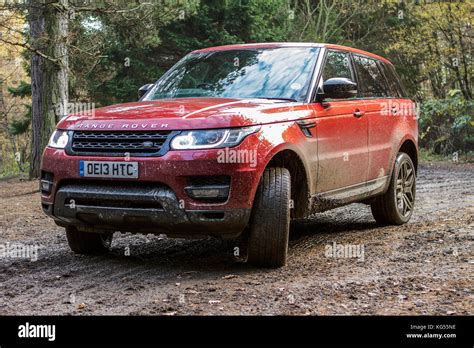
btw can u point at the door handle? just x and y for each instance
(357, 113)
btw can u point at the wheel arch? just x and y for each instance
(300, 189)
(408, 146)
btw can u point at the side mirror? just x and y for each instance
(143, 89)
(339, 88)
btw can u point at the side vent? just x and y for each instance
(305, 127)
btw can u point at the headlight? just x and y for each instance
(59, 139)
(212, 138)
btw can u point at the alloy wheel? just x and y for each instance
(405, 188)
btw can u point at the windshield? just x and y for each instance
(276, 73)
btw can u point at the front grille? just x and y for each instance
(120, 143)
(113, 194)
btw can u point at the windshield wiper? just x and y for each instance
(288, 99)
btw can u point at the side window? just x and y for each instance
(371, 81)
(393, 78)
(337, 64)
(390, 81)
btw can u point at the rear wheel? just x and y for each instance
(88, 242)
(396, 205)
(270, 221)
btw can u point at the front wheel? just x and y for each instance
(88, 242)
(270, 221)
(395, 207)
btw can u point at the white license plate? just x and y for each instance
(108, 169)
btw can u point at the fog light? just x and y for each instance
(208, 192)
(46, 183)
(46, 186)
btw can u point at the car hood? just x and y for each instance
(187, 113)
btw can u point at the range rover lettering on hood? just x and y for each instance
(89, 125)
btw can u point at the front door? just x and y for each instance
(342, 133)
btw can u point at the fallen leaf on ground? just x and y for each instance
(230, 276)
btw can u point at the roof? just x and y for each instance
(291, 44)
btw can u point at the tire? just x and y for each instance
(395, 207)
(270, 220)
(88, 242)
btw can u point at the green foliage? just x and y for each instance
(13, 154)
(21, 126)
(8, 167)
(436, 38)
(138, 52)
(121, 68)
(446, 125)
(11, 165)
(222, 23)
(23, 90)
(428, 156)
(130, 69)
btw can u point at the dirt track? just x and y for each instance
(424, 267)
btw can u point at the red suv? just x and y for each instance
(235, 141)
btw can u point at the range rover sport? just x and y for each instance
(235, 141)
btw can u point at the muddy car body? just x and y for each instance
(234, 141)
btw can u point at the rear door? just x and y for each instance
(380, 111)
(341, 130)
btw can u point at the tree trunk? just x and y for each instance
(56, 78)
(50, 78)
(36, 22)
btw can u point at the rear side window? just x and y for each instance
(393, 81)
(371, 82)
(338, 64)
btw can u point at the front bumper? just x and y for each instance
(156, 202)
(144, 209)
